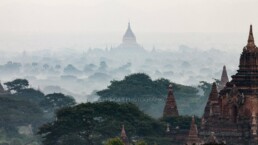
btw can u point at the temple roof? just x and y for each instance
(129, 35)
(129, 32)
(170, 109)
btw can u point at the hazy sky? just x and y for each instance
(69, 16)
(56, 24)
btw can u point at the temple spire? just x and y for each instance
(212, 100)
(124, 136)
(250, 42)
(214, 93)
(224, 78)
(193, 134)
(170, 109)
(129, 36)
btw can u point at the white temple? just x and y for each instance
(129, 42)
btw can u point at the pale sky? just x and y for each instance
(69, 16)
(81, 24)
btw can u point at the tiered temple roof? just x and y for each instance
(246, 78)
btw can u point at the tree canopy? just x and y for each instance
(150, 95)
(96, 122)
(114, 141)
(17, 85)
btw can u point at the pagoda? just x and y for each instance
(236, 106)
(129, 43)
(170, 109)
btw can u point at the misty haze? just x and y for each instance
(128, 72)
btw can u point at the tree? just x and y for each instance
(31, 95)
(150, 95)
(141, 142)
(17, 85)
(57, 100)
(114, 141)
(96, 122)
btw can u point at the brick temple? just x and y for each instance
(231, 113)
(170, 109)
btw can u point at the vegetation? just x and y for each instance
(114, 141)
(23, 111)
(17, 85)
(96, 122)
(150, 96)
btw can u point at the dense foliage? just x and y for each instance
(150, 96)
(23, 111)
(114, 141)
(95, 122)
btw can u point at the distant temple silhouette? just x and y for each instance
(129, 43)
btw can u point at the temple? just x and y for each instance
(129, 42)
(170, 109)
(124, 136)
(233, 115)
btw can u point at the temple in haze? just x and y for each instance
(129, 43)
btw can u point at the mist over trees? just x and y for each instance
(24, 109)
(79, 73)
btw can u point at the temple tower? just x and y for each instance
(240, 94)
(170, 109)
(237, 101)
(124, 136)
(193, 134)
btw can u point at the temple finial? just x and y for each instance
(250, 42)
